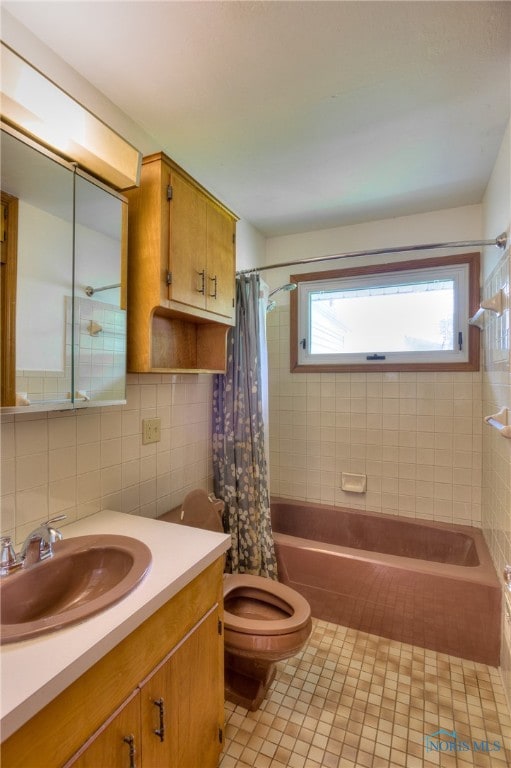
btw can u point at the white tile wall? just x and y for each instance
(80, 462)
(417, 436)
(496, 488)
(101, 358)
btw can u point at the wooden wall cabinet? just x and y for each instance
(181, 272)
(155, 701)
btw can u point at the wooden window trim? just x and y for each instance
(473, 261)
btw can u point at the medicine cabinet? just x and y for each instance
(63, 283)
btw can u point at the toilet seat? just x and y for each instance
(274, 594)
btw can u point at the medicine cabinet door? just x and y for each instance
(37, 276)
(62, 283)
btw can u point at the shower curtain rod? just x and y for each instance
(500, 242)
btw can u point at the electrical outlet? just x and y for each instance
(151, 431)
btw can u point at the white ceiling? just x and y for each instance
(303, 115)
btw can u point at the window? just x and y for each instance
(409, 315)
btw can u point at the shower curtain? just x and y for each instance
(239, 455)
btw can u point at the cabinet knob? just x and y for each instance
(214, 281)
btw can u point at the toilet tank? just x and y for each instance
(198, 510)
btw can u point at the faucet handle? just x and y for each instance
(9, 560)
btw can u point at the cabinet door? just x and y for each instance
(117, 744)
(187, 247)
(198, 688)
(220, 262)
(182, 702)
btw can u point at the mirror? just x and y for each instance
(99, 306)
(60, 347)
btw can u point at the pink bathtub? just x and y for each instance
(429, 584)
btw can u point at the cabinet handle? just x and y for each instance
(161, 730)
(214, 281)
(202, 276)
(131, 741)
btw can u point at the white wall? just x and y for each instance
(497, 202)
(436, 226)
(250, 246)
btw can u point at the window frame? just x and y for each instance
(472, 335)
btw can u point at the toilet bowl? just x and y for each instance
(264, 621)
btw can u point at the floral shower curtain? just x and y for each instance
(239, 456)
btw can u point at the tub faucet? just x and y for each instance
(39, 544)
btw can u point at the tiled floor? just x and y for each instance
(350, 699)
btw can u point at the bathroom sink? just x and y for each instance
(85, 575)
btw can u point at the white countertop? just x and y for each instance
(34, 671)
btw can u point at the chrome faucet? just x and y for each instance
(37, 546)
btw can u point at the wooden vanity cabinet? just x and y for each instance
(181, 272)
(155, 701)
(171, 720)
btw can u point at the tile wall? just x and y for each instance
(417, 436)
(496, 519)
(100, 349)
(76, 463)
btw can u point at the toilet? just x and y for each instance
(264, 621)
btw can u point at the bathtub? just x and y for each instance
(429, 584)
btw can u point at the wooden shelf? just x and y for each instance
(186, 346)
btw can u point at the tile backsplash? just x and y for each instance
(79, 462)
